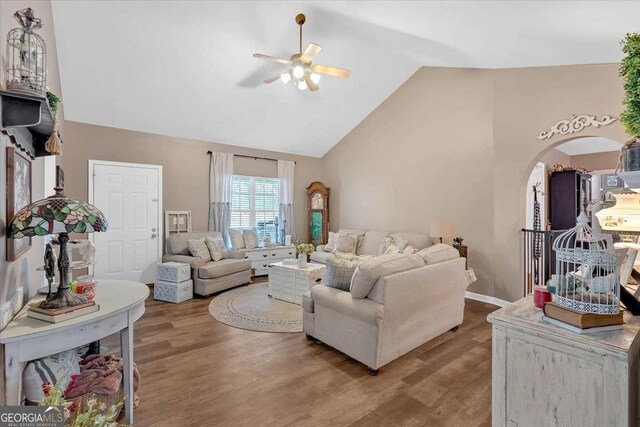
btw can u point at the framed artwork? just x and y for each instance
(18, 196)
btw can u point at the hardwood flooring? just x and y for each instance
(199, 372)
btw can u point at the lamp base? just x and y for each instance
(63, 298)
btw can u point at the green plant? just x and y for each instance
(78, 413)
(54, 102)
(630, 71)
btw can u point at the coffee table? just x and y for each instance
(290, 282)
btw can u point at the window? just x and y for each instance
(254, 203)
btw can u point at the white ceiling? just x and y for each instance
(589, 145)
(185, 69)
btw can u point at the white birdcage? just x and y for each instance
(26, 55)
(587, 270)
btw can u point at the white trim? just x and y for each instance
(485, 298)
(93, 163)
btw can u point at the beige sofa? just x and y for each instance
(401, 312)
(212, 276)
(369, 242)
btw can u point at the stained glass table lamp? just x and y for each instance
(61, 215)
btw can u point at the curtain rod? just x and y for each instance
(252, 157)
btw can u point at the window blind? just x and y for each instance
(254, 203)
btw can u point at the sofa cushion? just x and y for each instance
(237, 238)
(370, 270)
(331, 242)
(438, 253)
(224, 267)
(355, 231)
(177, 243)
(343, 302)
(371, 242)
(321, 257)
(250, 238)
(347, 243)
(216, 248)
(198, 248)
(418, 241)
(338, 273)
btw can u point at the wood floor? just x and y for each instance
(199, 372)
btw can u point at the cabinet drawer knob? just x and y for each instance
(264, 255)
(246, 256)
(273, 254)
(264, 265)
(290, 253)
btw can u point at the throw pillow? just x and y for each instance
(370, 270)
(237, 238)
(331, 242)
(216, 248)
(250, 238)
(391, 245)
(439, 253)
(338, 273)
(384, 245)
(347, 243)
(409, 250)
(199, 249)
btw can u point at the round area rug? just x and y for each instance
(250, 307)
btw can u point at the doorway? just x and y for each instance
(130, 196)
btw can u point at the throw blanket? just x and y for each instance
(101, 374)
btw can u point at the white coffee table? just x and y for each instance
(289, 282)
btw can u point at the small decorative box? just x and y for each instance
(173, 292)
(174, 272)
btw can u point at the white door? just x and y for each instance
(129, 196)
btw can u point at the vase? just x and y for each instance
(302, 261)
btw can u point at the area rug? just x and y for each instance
(251, 308)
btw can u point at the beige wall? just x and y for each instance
(553, 157)
(424, 154)
(460, 144)
(597, 161)
(185, 166)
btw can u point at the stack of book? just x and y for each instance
(61, 314)
(581, 323)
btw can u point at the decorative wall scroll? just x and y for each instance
(575, 124)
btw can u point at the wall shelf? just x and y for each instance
(28, 121)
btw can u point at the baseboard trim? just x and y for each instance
(485, 298)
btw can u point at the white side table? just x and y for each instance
(290, 282)
(121, 303)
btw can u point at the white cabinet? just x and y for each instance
(545, 375)
(289, 283)
(261, 258)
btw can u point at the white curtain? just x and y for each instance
(220, 176)
(285, 175)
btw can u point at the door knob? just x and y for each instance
(153, 236)
(153, 229)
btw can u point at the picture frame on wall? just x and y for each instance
(18, 196)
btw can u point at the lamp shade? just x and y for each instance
(623, 217)
(56, 214)
(442, 228)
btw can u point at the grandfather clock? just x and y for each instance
(318, 213)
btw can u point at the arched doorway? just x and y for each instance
(572, 175)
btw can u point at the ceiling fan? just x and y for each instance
(301, 70)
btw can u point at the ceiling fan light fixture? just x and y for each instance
(298, 72)
(315, 77)
(285, 77)
(302, 85)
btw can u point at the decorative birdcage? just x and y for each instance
(26, 55)
(587, 270)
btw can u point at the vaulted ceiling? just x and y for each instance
(184, 68)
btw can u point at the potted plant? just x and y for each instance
(304, 250)
(630, 117)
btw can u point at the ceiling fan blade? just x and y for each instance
(331, 71)
(310, 84)
(272, 58)
(272, 79)
(311, 51)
